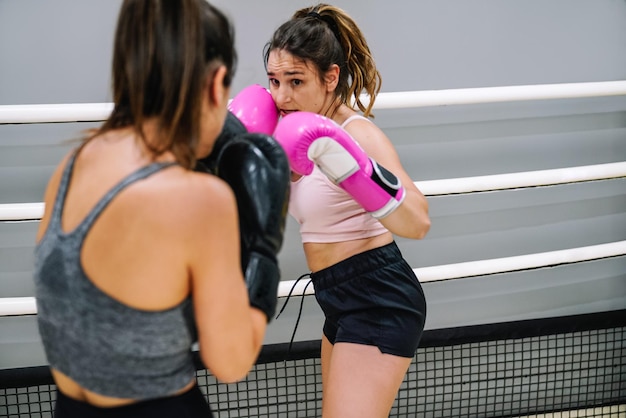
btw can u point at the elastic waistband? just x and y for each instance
(356, 265)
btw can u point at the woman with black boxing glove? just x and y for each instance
(138, 256)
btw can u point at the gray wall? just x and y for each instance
(59, 52)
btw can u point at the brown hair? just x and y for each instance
(163, 51)
(327, 35)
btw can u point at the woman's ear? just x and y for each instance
(217, 92)
(332, 78)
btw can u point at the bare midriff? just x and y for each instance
(322, 255)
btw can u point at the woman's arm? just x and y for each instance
(410, 219)
(230, 332)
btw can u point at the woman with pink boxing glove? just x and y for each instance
(350, 194)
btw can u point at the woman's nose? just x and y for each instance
(281, 96)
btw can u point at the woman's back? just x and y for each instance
(135, 250)
(121, 325)
(137, 254)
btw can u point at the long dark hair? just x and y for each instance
(325, 35)
(163, 51)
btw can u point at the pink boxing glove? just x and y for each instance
(255, 108)
(309, 138)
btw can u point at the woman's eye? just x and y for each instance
(296, 82)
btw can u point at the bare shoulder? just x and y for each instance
(195, 193)
(189, 201)
(373, 140)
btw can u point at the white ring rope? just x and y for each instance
(91, 112)
(54, 113)
(27, 305)
(492, 266)
(34, 211)
(425, 98)
(521, 179)
(21, 211)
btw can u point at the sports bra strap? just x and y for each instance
(84, 226)
(353, 118)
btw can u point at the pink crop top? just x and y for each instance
(326, 213)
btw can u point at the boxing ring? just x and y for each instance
(532, 364)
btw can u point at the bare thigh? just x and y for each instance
(359, 381)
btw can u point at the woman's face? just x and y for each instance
(295, 85)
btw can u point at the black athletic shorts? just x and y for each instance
(373, 298)
(190, 404)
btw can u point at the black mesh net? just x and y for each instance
(565, 374)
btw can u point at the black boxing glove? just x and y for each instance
(256, 168)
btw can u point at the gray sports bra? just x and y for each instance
(102, 344)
